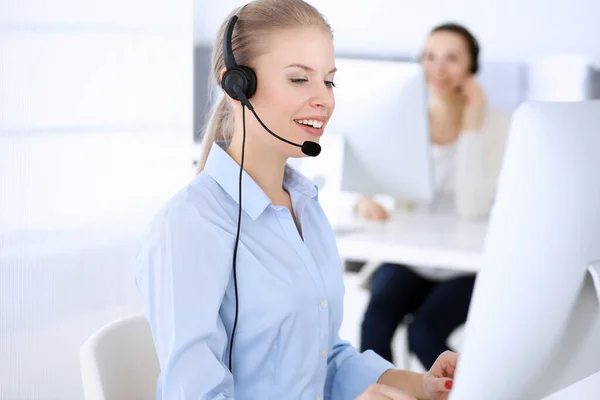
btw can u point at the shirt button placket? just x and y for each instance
(324, 304)
(324, 322)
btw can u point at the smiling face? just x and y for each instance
(294, 96)
(447, 62)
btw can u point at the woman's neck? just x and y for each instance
(266, 168)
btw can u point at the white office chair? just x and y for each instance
(119, 361)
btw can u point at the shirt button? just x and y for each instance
(324, 353)
(323, 304)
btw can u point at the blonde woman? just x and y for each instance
(289, 276)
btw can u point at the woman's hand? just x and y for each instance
(383, 392)
(475, 104)
(438, 381)
(371, 210)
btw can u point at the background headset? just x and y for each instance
(239, 82)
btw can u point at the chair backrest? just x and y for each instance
(119, 361)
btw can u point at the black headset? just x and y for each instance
(474, 54)
(237, 77)
(239, 82)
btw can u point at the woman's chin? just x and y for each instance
(441, 91)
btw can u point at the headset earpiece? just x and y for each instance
(241, 76)
(235, 75)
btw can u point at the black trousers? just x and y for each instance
(438, 308)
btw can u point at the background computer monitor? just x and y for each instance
(534, 321)
(381, 112)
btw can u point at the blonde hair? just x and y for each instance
(257, 19)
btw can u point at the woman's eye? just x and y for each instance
(329, 84)
(299, 80)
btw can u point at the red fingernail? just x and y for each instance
(448, 385)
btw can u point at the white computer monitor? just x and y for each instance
(381, 112)
(534, 320)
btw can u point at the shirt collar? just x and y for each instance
(226, 172)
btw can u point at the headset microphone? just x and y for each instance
(311, 149)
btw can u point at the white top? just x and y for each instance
(465, 175)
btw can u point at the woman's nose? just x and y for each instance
(438, 66)
(437, 69)
(323, 97)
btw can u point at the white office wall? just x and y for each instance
(507, 29)
(95, 135)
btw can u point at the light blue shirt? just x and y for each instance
(286, 344)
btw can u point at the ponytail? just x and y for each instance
(219, 127)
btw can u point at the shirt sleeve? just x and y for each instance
(182, 273)
(350, 372)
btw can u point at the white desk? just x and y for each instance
(417, 238)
